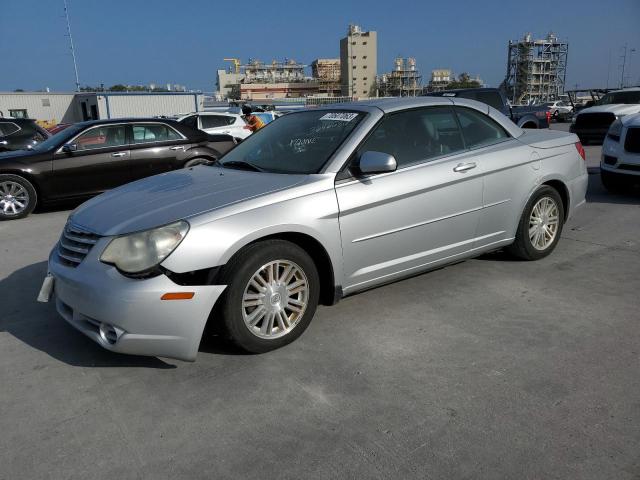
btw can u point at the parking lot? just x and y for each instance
(490, 368)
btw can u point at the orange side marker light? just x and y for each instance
(178, 296)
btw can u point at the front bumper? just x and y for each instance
(127, 315)
(616, 160)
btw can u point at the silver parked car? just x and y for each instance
(320, 204)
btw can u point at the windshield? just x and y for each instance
(58, 139)
(620, 97)
(296, 143)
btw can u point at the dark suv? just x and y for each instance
(90, 157)
(20, 133)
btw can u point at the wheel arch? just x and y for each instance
(329, 292)
(563, 191)
(31, 179)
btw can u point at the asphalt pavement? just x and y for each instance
(490, 368)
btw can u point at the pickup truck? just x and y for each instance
(591, 124)
(537, 116)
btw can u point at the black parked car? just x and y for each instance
(19, 133)
(90, 157)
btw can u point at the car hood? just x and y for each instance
(615, 108)
(169, 197)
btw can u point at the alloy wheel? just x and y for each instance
(543, 223)
(14, 198)
(275, 299)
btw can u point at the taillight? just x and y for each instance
(548, 114)
(581, 151)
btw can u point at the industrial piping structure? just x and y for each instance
(536, 69)
(404, 81)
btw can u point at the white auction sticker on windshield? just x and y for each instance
(339, 116)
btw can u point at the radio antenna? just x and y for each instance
(73, 51)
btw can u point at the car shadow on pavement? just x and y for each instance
(39, 326)
(596, 193)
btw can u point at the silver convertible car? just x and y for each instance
(319, 204)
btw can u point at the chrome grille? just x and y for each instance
(595, 120)
(75, 243)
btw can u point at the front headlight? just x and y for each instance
(615, 130)
(141, 251)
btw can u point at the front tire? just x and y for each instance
(540, 225)
(272, 295)
(18, 197)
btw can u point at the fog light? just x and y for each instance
(108, 333)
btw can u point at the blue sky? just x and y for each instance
(142, 41)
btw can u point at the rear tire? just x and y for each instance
(18, 197)
(540, 226)
(272, 295)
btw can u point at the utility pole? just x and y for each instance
(608, 69)
(73, 51)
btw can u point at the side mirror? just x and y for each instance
(377, 162)
(69, 147)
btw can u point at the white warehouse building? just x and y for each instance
(52, 108)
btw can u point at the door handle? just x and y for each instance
(119, 154)
(177, 148)
(463, 167)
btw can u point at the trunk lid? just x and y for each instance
(547, 138)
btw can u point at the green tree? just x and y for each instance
(118, 88)
(464, 80)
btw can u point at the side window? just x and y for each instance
(8, 128)
(417, 135)
(101, 137)
(172, 134)
(478, 129)
(213, 121)
(153, 133)
(18, 113)
(39, 136)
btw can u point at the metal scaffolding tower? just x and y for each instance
(536, 69)
(404, 81)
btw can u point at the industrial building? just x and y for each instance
(440, 78)
(404, 81)
(259, 80)
(50, 108)
(536, 69)
(358, 62)
(326, 71)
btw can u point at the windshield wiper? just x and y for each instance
(242, 165)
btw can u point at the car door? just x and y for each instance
(217, 123)
(508, 169)
(99, 162)
(424, 212)
(155, 147)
